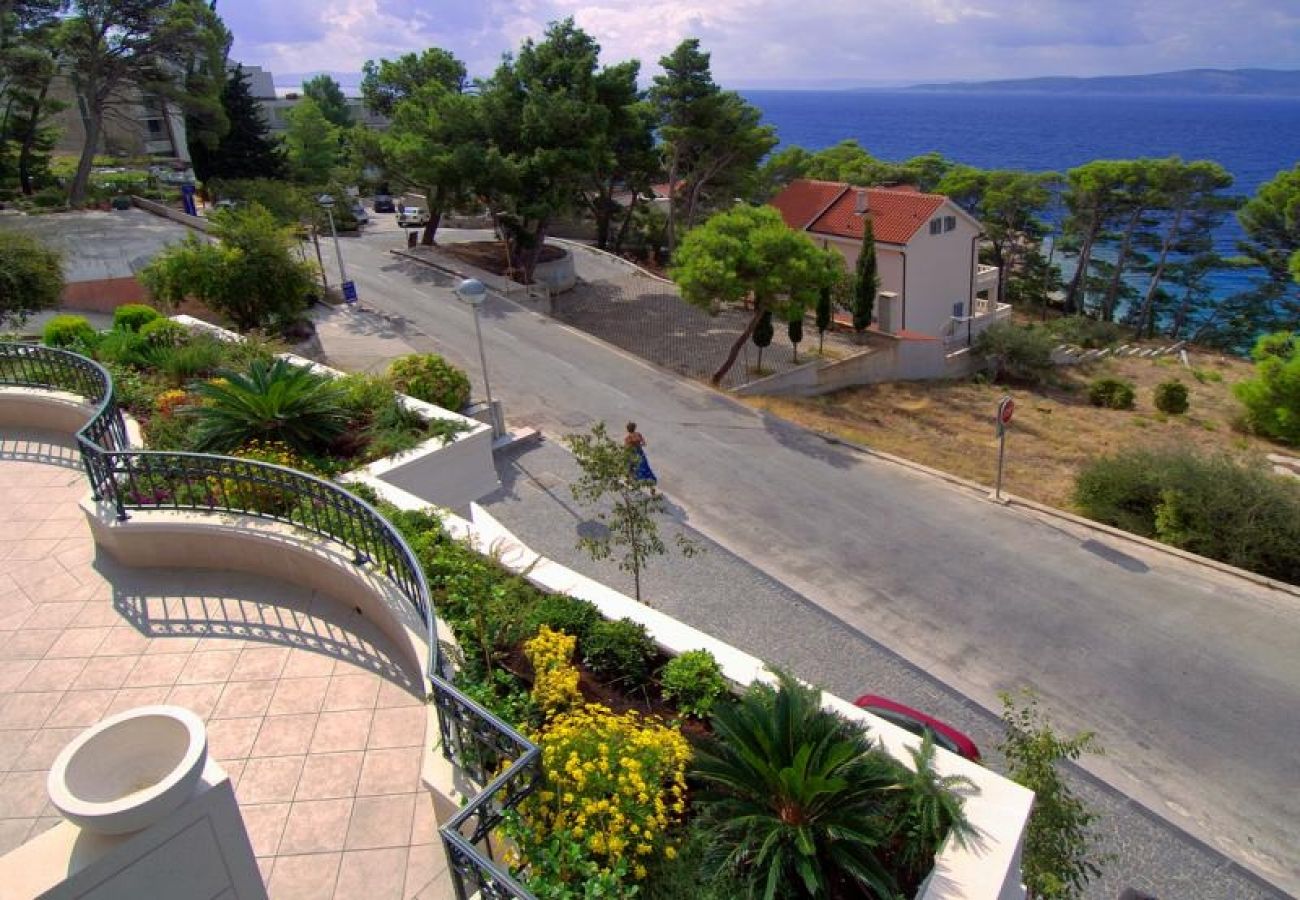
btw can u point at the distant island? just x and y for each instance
(1221, 82)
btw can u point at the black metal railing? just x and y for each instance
(487, 749)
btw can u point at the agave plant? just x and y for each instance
(929, 810)
(795, 798)
(273, 401)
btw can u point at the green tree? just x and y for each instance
(824, 315)
(626, 157)
(386, 83)
(714, 140)
(629, 507)
(312, 142)
(1271, 220)
(329, 97)
(1093, 199)
(272, 401)
(1010, 205)
(432, 144)
(546, 125)
(29, 60)
(111, 47)
(794, 331)
(253, 275)
(763, 334)
(246, 150)
(748, 252)
(1272, 397)
(1057, 861)
(795, 799)
(31, 277)
(866, 280)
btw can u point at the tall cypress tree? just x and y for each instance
(763, 334)
(866, 282)
(247, 150)
(824, 309)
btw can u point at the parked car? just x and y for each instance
(413, 217)
(360, 214)
(383, 204)
(918, 722)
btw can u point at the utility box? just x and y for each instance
(889, 312)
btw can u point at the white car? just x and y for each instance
(412, 217)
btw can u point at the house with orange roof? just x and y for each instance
(932, 283)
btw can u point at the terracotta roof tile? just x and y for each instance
(896, 213)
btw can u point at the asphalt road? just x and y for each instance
(1190, 678)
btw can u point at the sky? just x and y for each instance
(787, 43)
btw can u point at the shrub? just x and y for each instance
(181, 363)
(1171, 397)
(48, 198)
(271, 402)
(266, 495)
(133, 316)
(31, 276)
(612, 786)
(1016, 353)
(430, 378)
(123, 347)
(794, 795)
(928, 811)
(164, 332)
(1084, 331)
(66, 331)
(362, 394)
(1111, 393)
(694, 680)
(555, 680)
(1215, 507)
(1272, 397)
(560, 612)
(619, 652)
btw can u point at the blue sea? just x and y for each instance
(1254, 138)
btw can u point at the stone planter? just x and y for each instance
(130, 770)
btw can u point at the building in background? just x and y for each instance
(277, 102)
(135, 124)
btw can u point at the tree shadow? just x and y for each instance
(805, 442)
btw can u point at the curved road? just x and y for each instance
(1190, 678)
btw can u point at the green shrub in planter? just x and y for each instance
(122, 346)
(619, 652)
(560, 612)
(1171, 397)
(162, 332)
(133, 316)
(48, 198)
(694, 681)
(65, 331)
(1112, 393)
(429, 377)
(121, 202)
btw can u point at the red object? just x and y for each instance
(918, 722)
(1006, 409)
(830, 208)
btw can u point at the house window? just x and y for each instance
(949, 223)
(936, 226)
(155, 126)
(958, 309)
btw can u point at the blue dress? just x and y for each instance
(641, 469)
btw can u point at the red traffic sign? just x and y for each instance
(1006, 409)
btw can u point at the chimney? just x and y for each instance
(860, 204)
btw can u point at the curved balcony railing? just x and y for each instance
(489, 750)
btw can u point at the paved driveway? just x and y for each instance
(1192, 679)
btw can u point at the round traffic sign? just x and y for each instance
(1006, 409)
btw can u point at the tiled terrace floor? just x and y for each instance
(315, 716)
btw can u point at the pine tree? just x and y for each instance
(866, 282)
(247, 150)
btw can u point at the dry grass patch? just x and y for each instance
(949, 425)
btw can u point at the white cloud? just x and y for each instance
(776, 41)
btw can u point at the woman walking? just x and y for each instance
(635, 441)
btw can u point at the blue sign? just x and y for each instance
(350, 291)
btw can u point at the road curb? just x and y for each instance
(627, 263)
(981, 490)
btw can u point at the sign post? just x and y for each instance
(1006, 409)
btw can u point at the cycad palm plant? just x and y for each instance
(795, 798)
(929, 809)
(273, 401)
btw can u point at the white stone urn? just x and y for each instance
(130, 770)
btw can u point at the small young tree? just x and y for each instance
(253, 275)
(329, 97)
(866, 282)
(1059, 841)
(823, 317)
(31, 277)
(1272, 397)
(763, 334)
(312, 141)
(794, 330)
(630, 520)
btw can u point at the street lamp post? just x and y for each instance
(349, 289)
(472, 291)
